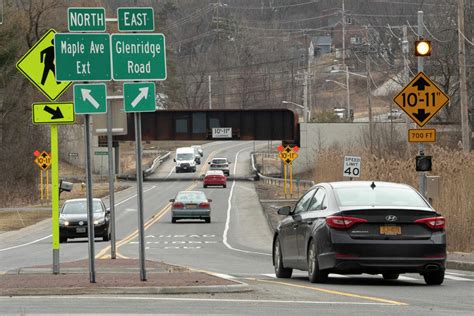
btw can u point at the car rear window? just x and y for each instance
(80, 207)
(219, 161)
(379, 196)
(190, 196)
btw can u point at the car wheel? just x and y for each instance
(204, 186)
(177, 170)
(62, 240)
(106, 237)
(280, 270)
(224, 186)
(390, 276)
(173, 220)
(314, 274)
(434, 278)
(208, 220)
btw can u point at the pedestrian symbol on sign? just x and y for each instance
(47, 58)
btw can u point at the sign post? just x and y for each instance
(287, 155)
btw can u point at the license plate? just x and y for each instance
(191, 205)
(390, 230)
(80, 230)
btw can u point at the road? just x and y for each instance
(237, 243)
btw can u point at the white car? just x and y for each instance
(199, 149)
(220, 164)
(394, 114)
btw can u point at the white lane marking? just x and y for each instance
(455, 278)
(405, 278)
(189, 299)
(169, 174)
(43, 238)
(28, 243)
(229, 203)
(224, 276)
(270, 275)
(452, 273)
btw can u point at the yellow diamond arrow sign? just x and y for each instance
(38, 65)
(53, 113)
(421, 99)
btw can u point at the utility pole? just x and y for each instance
(369, 97)
(210, 95)
(348, 94)
(305, 84)
(421, 147)
(343, 36)
(466, 133)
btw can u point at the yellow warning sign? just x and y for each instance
(421, 99)
(288, 155)
(43, 160)
(38, 65)
(421, 135)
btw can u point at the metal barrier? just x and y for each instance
(156, 162)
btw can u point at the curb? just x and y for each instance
(233, 288)
(460, 265)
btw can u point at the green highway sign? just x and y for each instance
(138, 57)
(139, 97)
(101, 153)
(82, 57)
(135, 19)
(90, 98)
(53, 113)
(86, 19)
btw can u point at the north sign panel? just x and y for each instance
(138, 57)
(82, 57)
(53, 113)
(421, 99)
(83, 19)
(38, 66)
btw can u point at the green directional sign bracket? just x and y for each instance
(83, 19)
(82, 57)
(139, 97)
(53, 113)
(138, 57)
(135, 19)
(90, 98)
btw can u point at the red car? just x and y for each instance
(215, 177)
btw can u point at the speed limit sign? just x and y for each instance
(351, 166)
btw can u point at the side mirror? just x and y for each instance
(209, 163)
(285, 210)
(107, 212)
(65, 186)
(174, 159)
(209, 200)
(229, 162)
(172, 200)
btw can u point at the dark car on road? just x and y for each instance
(73, 220)
(359, 227)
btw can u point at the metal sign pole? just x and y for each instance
(55, 195)
(113, 250)
(90, 214)
(138, 159)
(421, 147)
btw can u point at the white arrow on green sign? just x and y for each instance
(82, 57)
(135, 19)
(138, 57)
(90, 98)
(139, 97)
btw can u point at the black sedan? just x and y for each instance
(73, 220)
(361, 227)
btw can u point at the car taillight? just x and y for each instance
(178, 205)
(433, 222)
(343, 222)
(204, 205)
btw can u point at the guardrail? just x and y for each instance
(156, 162)
(299, 183)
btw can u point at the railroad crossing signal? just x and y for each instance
(288, 154)
(38, 65)
(43, 160)
(421, 99)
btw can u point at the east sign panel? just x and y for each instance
(135, 20)
(82, 57)
(138, 57)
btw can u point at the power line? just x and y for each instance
(271, 8)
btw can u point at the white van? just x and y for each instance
(185, 159)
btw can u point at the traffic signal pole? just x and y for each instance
(421, 146)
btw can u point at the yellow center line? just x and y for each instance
(317, 289)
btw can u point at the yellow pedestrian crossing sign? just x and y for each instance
(38, 65)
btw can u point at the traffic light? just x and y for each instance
(423, 163)
(422, 48)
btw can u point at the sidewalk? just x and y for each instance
(119, 276)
